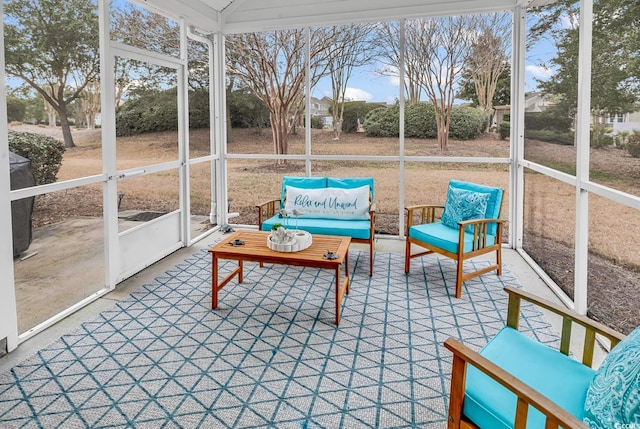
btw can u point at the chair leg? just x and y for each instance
(407, 255)
(371, 256)
(499, 260)
(456, 397)
(459, 266)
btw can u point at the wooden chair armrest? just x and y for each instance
(481, 232)
(372, 208)
(463, 355)
(481, 221)
(267, 209)
(426, 212)
(569, 317)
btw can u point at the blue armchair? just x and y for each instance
(518, 382)
(469, 226)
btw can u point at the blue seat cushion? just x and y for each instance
(560, 378)
(359, 229)
(443, 237)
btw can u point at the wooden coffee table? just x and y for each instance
(255, 249)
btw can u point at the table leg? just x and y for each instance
(346, 269)
(216, 285)
(339, 294)
(342, 287)
(214, 281)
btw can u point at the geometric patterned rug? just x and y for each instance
(270, 355)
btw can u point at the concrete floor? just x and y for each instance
(65, 264)
(526, 276)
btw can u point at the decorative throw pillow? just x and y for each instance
(462, 205)
(613, 397)
(329, 203)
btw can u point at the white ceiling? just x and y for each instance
(235, 16)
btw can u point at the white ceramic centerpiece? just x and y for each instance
(288, 240)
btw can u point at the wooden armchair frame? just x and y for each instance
(555, 415)
(270, 208)
(427, 214)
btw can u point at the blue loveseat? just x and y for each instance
(318, 198)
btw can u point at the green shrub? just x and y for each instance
(354, 112)
(551, 118)
(467, 123)
(153, 111)
(551, 136)
(383, 122)
(420, 121)
(317, 122)
(504, 129)
(601, 139)
(44, 152)
(16, 109)
(633, 145)
(199, 112)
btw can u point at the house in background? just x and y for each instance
(624, 122)
(320, 110)
(538, 102)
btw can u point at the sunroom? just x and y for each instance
(127, 196)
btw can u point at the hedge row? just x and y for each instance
(550, 119)
(154, 111)
(44, 152)
(467, 123)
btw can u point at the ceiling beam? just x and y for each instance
(255, 15)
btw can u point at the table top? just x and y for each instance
(255, 249)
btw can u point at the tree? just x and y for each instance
(614, 72)
(272, 66)
(351, 48)
(501, 96)
(443, 44)
(89, 103)
(488, 58)
(53, 47)
(615, 55)
(388, 35)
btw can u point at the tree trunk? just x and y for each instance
(442, 123)
(228, 124)
(66, 127)
(337, 128)
(52, 117)
(280, 133)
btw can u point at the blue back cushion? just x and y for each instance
(494, 203)
(352, 182)
(301, 182)
(613, 397)
(464, 205)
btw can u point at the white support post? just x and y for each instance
(213, 214)
(108, 135)
(219, 179)
(402, 178)
(583, 121)
(8, 312)
(516, 173)
(307, 103)
(183, 139)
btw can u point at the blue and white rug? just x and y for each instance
(270, 355)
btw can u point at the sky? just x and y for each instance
(367, 84)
